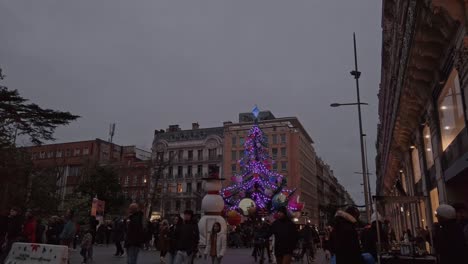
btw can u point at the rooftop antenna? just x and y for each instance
(111, 132)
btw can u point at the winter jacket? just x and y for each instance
(135, 233)
(173, 230)
(164, 240)
(69, 231)
(286, 236)
(220, 245)
(449, 243)
(344, 239)
(187, 237)
(118, 231)
(29, 230)
(87, 240)
(370, 239)
(14, 228)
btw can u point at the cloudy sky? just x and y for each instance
(150, 63)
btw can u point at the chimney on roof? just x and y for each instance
(227, 123)
(195, 126)
(173, 128)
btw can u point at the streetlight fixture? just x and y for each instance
(356, 74)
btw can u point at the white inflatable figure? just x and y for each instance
(212, 206)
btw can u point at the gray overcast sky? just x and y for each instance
(150, 63)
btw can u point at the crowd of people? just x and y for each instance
(177, 239)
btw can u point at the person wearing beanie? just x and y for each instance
(286, 236)
(344, 239)
(449, 242)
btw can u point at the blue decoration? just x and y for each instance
(256, 111)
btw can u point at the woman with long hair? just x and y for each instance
(216, 247)
(163, 240)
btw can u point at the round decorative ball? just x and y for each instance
(279, 200)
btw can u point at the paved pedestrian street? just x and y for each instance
(103, 254)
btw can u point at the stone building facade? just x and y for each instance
(190, 155)
(422, 136)
(291, 148)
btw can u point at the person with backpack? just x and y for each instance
(135, 233)
(69, 229)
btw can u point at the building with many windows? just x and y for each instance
(422, 136)
(290, 148)
(188, 156)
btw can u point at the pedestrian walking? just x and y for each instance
(173, 230)
(462, 219)
(216, 247)
(286, 236)
(163, 241)
(108, 232)
(370, 238)
(86, 246)
(29, 228)
(187, 237)
(156, 228)
(40, 231)
(344, 237)
(53, 231)
(13, 232)
(135, 234)
(118, 235)
(449, 241)
(69, 229)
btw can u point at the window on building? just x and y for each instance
(275, 139)
(190, 155)
(200, 170)
(171, 172)
(199, 186)
(34, 155)
(234, 168)
(179, 187)
(127, 180)
(283, 138)
(58, 154)
(42, 155)
(77, 152)
(168, 206)
(189, 187)
(135, 180)
(160, 156)
(198, 205)
(434, 194)
(403, 182)
(188, 205)
(180, 155)
(177, 205)
(125, 194)
(241, 141)
(283, 152)
(265, 137)
(416, 165)
(451, 117)
(275, 166)
(179, 171)
(171, 155)
(50, 154)
(86, 151)
(428, 146)
(234, 141)
(274, 152)
(74, 171)
(67, 153)
(234, 155)
(189, 171)
(241, 154)
(212, 153)
(284, 166)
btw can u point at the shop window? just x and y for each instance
(428, 146)
(434, 194)
(416, 165)
(450, 109)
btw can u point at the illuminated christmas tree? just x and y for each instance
(257, 183)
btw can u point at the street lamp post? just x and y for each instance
(356, 75)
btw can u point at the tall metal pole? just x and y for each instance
(367, 178)
(356, 75)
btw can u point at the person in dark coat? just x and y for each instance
(163, 241)
(14, 231)
(286, 237)
(173, 230)
(449, 241)
(344, 237)
(187, 238)
(135, 234)
(118, 235)
(370, 238)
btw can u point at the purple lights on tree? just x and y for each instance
(257, 181)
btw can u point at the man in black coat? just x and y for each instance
(344, 237)
(449, 241)
(286, 237)
(135, 234)
(187, 238)
(118, 235)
